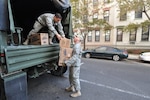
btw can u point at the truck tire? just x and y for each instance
(60, 71)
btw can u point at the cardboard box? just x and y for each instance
(64, 42)
(64, 54)
(39, 39)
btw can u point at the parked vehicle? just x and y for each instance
(18, 61)
(145, 56)
(106, 52)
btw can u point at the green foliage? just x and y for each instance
(145, 25)
(81, 12)
(78, 13)
(131, 27)
(129, 5)
(134, 5)
(101, 23)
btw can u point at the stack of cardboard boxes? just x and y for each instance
(39, 39)
(65, 50)
(43, 39)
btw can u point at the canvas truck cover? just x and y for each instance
(61, 5)
(4, 20)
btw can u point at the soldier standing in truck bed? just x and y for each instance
(49, 20)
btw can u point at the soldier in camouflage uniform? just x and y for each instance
(74, 64)
(50, 21)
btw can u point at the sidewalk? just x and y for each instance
(133, 56)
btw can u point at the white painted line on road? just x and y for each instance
(116, 89)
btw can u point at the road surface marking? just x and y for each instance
(116, 89)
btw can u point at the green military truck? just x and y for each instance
(17, 61)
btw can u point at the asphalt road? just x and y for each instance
(100, 80)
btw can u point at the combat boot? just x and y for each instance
(70, 89)
(50, 41)
(26, 42)
(76, 94)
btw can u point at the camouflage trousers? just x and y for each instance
(37, 27)
(74, 73)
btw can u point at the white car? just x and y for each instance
(145, 56)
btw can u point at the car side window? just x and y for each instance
(111, 49)
(116, 50)
(100, 49)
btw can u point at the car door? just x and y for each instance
(109, 52)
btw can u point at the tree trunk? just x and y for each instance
(146, 13)
(84, 46)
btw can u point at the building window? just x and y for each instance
(138, 13)
(119, 34)
(106, 15)
(145, 33)
(85, 18)
(107, 35)
(95, 15)
(97, 36)
(89, 36)
(95, 2)
(132, 35)
(106, 1)
(123, 17)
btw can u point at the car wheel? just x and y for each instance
(87, 55)
(116, 58)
